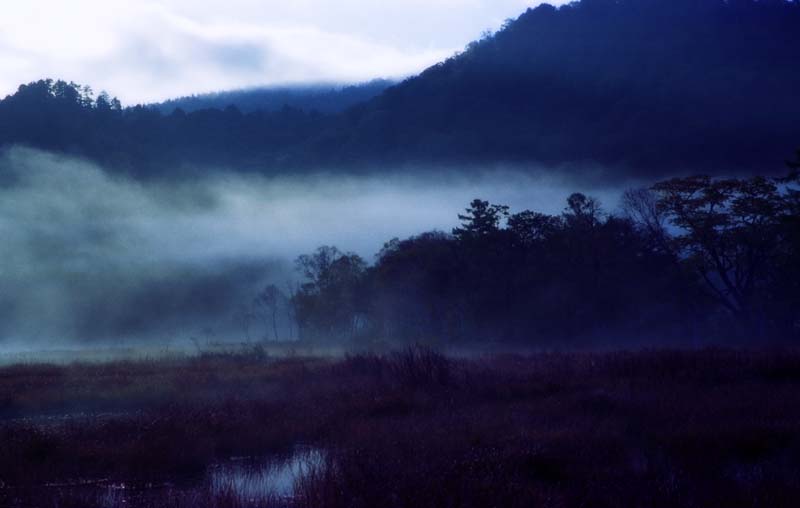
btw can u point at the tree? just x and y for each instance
(416, 289)
(582, 211)
(103, 102)
(529, 227)
(269, 301)
(315, 267)
(641, 207)
(729, 232)
(87, 94)
(331, 300)
(481, 219)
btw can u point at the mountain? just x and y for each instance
(143, 142)
(634, 87)
(643, 85)
(325, 98)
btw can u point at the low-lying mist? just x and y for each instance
(88, 256)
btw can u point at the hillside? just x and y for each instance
(652, 85)
(635, 87)
(324, 98)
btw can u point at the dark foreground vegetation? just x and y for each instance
(410, 429)
(642, 87)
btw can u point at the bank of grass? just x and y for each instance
(417, 429)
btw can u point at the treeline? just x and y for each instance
(141, 141)
(691, 259)
(315, 97)
(645, 87)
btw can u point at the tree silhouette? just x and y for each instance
(482, 218)
(330, 302)
(730, 231)
(269, 301)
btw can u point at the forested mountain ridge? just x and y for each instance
(649, 84)
(638, 87)
(143, 142)
(324, 98)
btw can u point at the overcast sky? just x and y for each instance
(149, 50)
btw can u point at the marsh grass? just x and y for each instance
(413, 428)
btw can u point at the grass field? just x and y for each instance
(408, 429)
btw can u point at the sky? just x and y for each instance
(150, 50)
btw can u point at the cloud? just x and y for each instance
(90, 256)
(151, 50)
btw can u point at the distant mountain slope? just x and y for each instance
(325, 98)
(143, 142)
(637, 87)
(649, 84)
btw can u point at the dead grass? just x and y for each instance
(650, 429)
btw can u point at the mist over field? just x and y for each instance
(89, 256)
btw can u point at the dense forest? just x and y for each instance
(141, 141)
(324, 98)
(691, 260)
(639, 87)
(652, 86)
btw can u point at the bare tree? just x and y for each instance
(641, 206)
(244, 317)
(291, 310)
(269, 301)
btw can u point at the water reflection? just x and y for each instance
(259, 480)
(245, 482)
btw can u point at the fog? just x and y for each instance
(91, 257)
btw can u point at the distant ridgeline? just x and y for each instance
(642, 87)
(324, 98)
